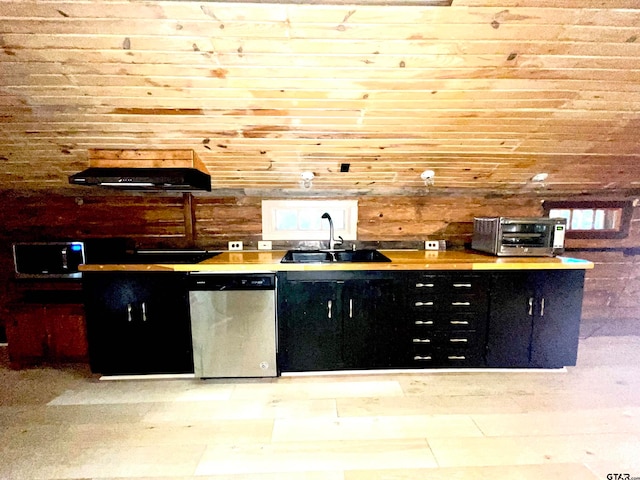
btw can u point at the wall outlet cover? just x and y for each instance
(431, 245)
(236, 245)
(265, 245)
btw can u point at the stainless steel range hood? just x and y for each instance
(129, 178)
(146, 170)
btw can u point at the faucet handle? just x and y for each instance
(341, 241)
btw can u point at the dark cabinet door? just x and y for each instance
(535, 319)
(510, 320)
(138, 323)
(310, 322)
(369, 328)
(556, 329)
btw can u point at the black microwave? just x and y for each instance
(62, 259)
(48, 259)
(519, 236)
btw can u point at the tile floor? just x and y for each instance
(581, 423)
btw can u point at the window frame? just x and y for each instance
(626, 207)
(346, 209)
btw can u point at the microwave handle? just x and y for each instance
(65, 259)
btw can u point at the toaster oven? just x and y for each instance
(519, 236)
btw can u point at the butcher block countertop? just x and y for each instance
(401, 260)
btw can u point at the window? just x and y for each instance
(302, 219)
(592, 218)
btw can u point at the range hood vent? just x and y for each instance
(175, 179)
(151, 170)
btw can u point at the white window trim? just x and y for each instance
(336, 208)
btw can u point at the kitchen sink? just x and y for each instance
(333, 256)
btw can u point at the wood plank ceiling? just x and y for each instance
(486, 93)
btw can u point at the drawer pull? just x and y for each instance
(422, 358)
(421, 340)
(425, 285)
(456, 357)
(460, 304)
(462, 285)
(458, 340)
(458, 322)
(423, 322)
(423, 304)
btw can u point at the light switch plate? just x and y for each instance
(264, 245)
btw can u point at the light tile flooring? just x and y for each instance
(581, 423)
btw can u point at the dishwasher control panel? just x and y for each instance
(257, 281)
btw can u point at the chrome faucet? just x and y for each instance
(332, 241)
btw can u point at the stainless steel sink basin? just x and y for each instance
(333, 256)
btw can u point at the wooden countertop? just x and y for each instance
(269, 261)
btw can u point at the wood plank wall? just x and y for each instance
(612, 288)
(487, 93)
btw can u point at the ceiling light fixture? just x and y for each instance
(428, 177)
(307, 179)
(539, 177)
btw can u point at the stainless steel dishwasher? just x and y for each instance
(233, 324)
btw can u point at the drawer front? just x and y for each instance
(444, 321)
(458, 340)
(446, 303)
(446, 358)
(455, 283)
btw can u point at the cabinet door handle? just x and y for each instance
(460, 304)
(542, 307)
(458, 322)
(329, 306)
(351, 308)
(421, 340)
(129, 309)
(462, 285)
(422, 322)
(530, 306)
(456, 357)
(144, 312)
(424, 285)
(458, 340)
(423, 304)
(422, 358)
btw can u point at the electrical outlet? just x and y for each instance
(431, 245)
(235, 245)
(264, 245)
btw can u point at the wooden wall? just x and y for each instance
(487, 93)
(612, 288)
